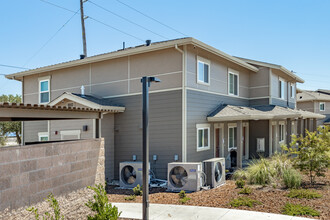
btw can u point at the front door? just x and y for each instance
(244, 136)
(218, 142)
(274, 142)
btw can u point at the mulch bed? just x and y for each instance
(272, 199)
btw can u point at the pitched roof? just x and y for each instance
(233, 113)
(326, 91)
(88, 101)
(305, 96)
(131, 51)
(274, 66)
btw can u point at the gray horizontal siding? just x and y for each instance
(31, 129)
(258, 129)
(165, 126)
(199, 105)
(259, 102)
(283, 103)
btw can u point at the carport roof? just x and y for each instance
(267, 112)
(33, 112)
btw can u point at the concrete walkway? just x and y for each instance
(161, 211)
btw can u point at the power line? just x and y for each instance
(51, 38)
(151, 18)
(123, 32)
(16, 67)
(132, 22)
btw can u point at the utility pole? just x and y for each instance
(83, 26)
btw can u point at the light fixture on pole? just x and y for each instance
(145, 143)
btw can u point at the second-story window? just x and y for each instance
(44, 93)
(292, 90)
(233, 82)
(203, 71)
(281, 88)
(322, 106)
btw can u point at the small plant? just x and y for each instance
(304, 194)
(292, 209)
(183, 198)
(292, 178)
(244, 201)
(54, 205)
(137, 190)
(130, 198)
(240, 183)
(246, 190)
(101, 206)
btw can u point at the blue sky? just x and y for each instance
(294, 34)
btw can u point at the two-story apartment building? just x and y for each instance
(315, 101)
(208, 104)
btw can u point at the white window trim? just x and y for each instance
(205, 61)
(234, 72)
(281, 123)
(293, 90)
(323, 106)
(70, 132)
(43, 134)
(281, 80)
(40, 80)
(231, 125)
(201, 127)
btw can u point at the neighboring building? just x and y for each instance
(315, 101)
(209, 104)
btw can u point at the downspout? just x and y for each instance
(184, 105)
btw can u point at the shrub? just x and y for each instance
(311, 154)
(137, 190)
(183, 197)
(246, 190)
(240, 183)
(54, 205)
(130, 198)
(291, 178)
(244, 201)
(292, 209)
(101, 205)
(304, 194)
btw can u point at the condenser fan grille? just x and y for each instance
(128, 174)
(178, 176)
(217, 171)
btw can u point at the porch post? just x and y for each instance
(239, 144)
(270, 144)
(314, 124)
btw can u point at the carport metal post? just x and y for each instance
(145, 118)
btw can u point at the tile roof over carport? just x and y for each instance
(33, 112)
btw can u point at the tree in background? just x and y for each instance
(10, 127)
(311, 154)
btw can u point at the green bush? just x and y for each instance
(292, 178)
(137, 190)
(130, 198)
(244, 201)
(272, 171)
(292, 209)
(240, 183)
(55, 206)
(101, 206)
(304, 194)
(183, 197)
(246, 190)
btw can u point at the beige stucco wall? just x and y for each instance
(29, 173)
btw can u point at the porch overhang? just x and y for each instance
(240, 113)
(31, 112)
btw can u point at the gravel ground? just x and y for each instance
(272, 199)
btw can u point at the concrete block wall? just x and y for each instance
(29, 173)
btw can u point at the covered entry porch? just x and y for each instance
(242, 133)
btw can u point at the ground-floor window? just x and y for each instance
(203, 137)
(232, 137)
(282, 132)
(43, 136)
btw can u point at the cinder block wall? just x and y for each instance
(29, 173)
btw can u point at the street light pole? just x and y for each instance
(145, 142)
